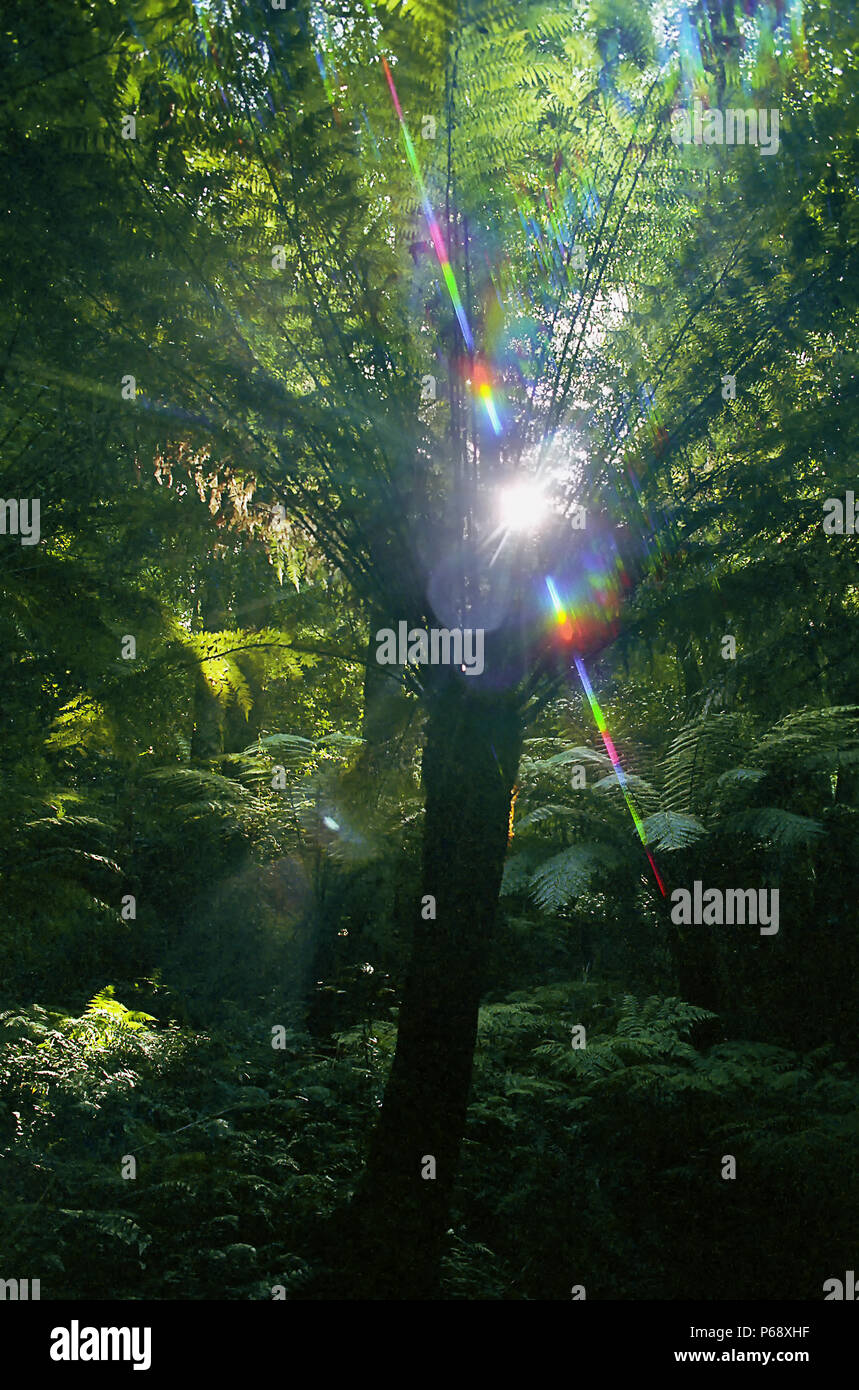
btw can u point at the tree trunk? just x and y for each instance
(399, 1217)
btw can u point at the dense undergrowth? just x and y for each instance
(600, 1165)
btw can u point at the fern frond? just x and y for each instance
(566, 875)
(673, 829)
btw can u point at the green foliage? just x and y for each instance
(276, 491)
(631, 1218)
(226, 1133)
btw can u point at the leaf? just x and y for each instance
(541, 813)
(785, 829)
(565, 876)
(741, 775)
(673, 829)
(517, 874)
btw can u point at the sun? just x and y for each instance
(523, 506)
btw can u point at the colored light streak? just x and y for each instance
(432, 223)
(369, 129)
(486, 397)
(329, 91)
(599, 719)
(484, 388)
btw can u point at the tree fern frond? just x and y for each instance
(566, 875)
(785, 829)
(673, 829)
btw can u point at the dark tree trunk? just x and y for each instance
(398, 1219)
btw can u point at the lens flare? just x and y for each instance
(565, 626)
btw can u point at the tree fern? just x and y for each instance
(669, 830)
(566, 875)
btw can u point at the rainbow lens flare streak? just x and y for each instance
(486, 397)
(440, 248)
(434, 228)
(329, 91)
(484, 390)
(599, 720)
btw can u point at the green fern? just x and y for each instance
(673, 830)
(566, 875)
